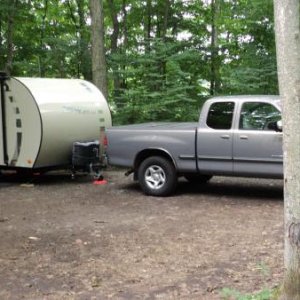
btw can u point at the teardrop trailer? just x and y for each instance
(51, 124)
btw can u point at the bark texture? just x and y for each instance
(288, 61)
(10, 36)
(215, 76)
(98, 50)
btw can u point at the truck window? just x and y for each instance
(257, 116)
(220, 115)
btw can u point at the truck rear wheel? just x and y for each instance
(157, 176)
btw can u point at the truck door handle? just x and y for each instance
(225, 137)
(243, 137)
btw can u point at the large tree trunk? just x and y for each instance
(98, 49)
(288, 60)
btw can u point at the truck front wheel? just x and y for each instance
(157, 176)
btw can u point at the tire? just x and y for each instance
(157, 176)
(197, 178)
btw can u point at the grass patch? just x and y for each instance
(231, 294)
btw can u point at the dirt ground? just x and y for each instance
(64, 239)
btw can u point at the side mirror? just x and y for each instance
(275, 126)
(279, 125)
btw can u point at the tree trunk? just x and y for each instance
(116, 27)
(42, 69)
(166, 19)
(1, 41)
(98, 49)
(83, 67)
(114, 46)
(288, 61)
(125, 29)
(215, 76)
(10, 36)
(77, 15)
(148, 25)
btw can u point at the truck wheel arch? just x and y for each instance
(144, 154)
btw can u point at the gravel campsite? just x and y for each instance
(72, 239)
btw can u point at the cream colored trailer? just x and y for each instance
(42, 118)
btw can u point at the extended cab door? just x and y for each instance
(257, 149)
(215, 138)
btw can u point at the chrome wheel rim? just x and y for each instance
(155, 177)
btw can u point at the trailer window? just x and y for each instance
(220, 115)
(18, 123)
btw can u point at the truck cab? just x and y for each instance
(238, 136)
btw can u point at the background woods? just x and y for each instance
(164, 57)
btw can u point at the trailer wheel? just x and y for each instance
(157, 176)
(197, 178)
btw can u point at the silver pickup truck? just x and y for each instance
(235, 136)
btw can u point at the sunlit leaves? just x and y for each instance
(163, 65)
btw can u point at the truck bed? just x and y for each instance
(175, 139)
(157, 126)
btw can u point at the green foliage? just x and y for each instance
(159, 86)
(164, 57)
(251, 69)
(49, 40)
(231, 294)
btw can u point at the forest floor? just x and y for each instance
(71, 239)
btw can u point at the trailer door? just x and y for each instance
(10, 127)
(3, 131)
